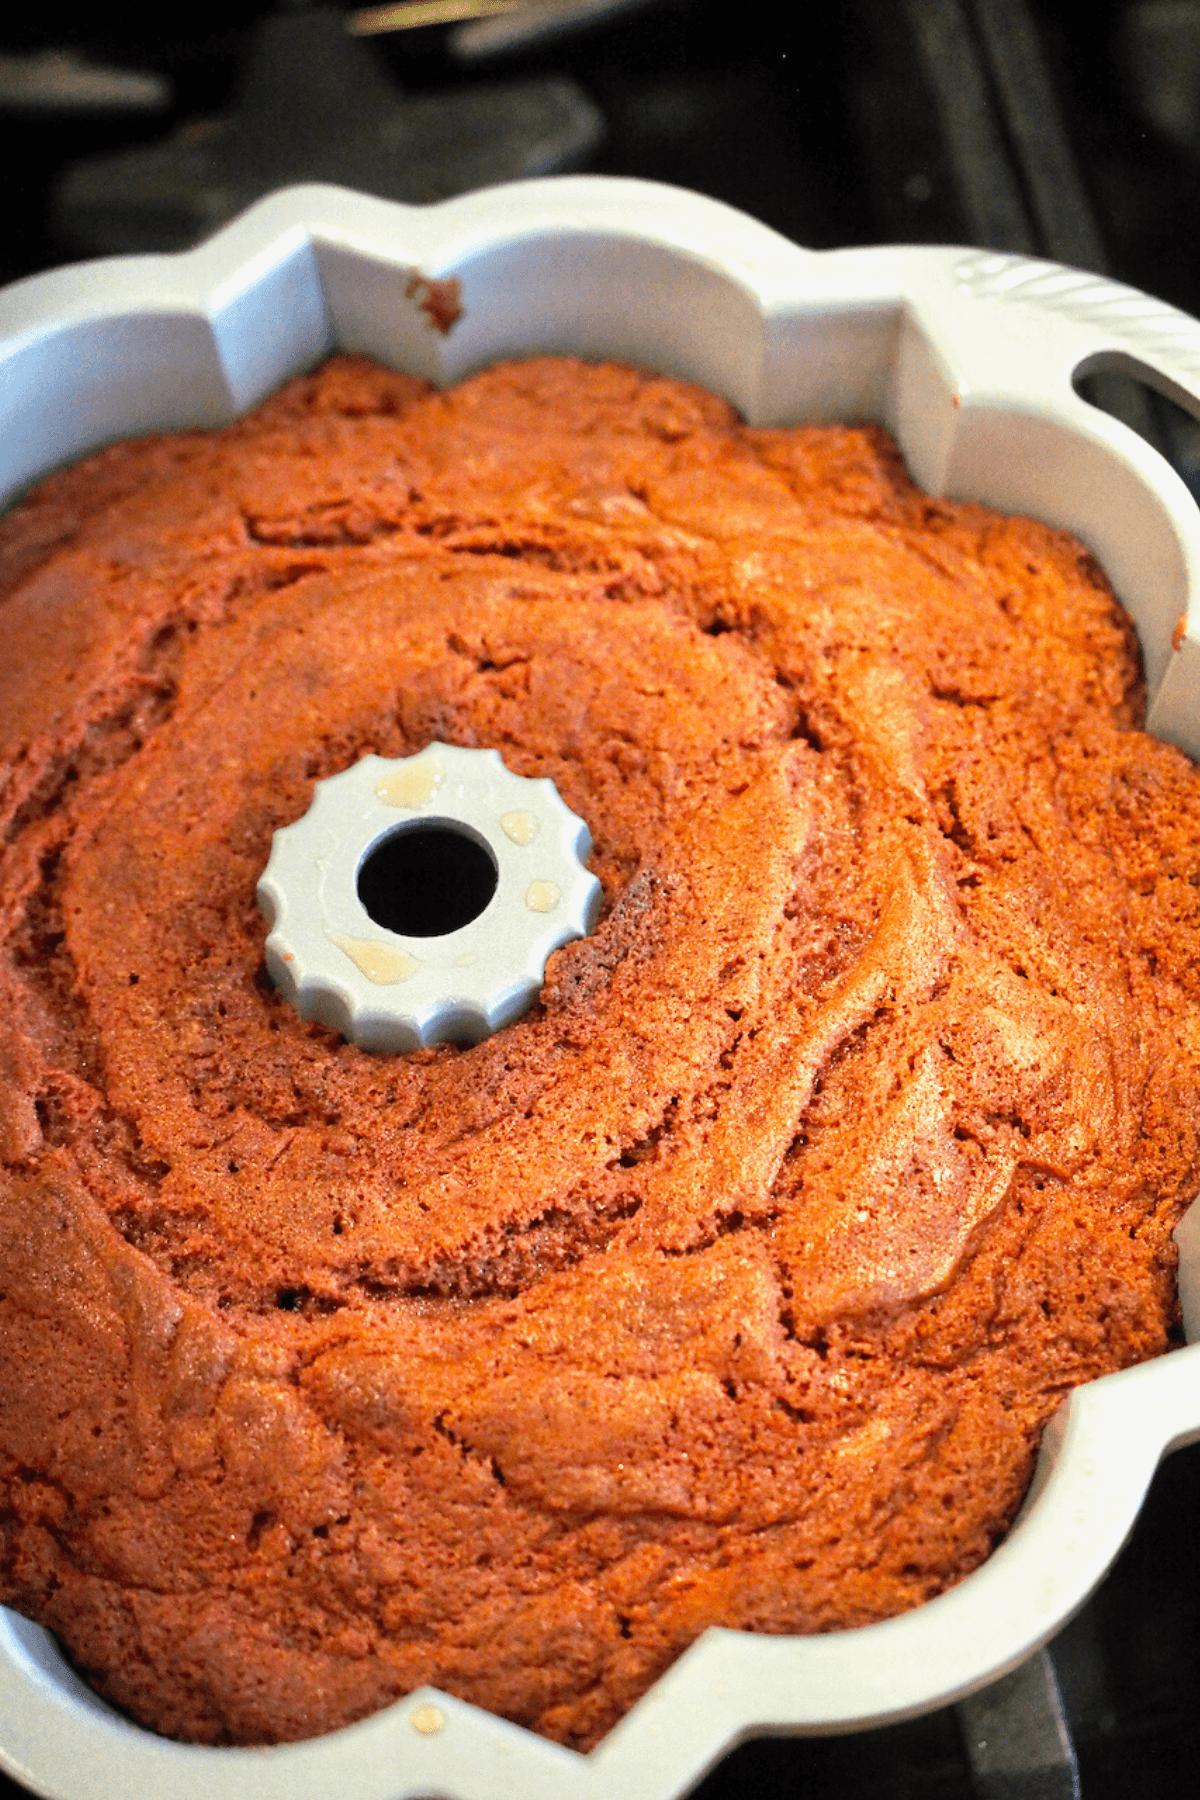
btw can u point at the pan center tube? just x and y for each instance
(417, 900)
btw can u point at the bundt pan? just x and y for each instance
(969, 359)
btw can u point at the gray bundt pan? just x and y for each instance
(969, 359)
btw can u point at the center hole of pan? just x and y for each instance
(427, 880)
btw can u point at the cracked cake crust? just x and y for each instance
(734, 1283)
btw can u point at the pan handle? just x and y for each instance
(985, 401)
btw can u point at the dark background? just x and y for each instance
(1018, 124)
(827, 125)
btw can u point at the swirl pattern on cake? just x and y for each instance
(734, 1283)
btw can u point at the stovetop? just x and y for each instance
(1005, 123)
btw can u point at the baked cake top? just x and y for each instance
(732, 1284)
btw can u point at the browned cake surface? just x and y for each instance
(736, 1281)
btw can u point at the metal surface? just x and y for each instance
(987, 184)
(314, 104)
(415, 15)
(1017, 1737)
